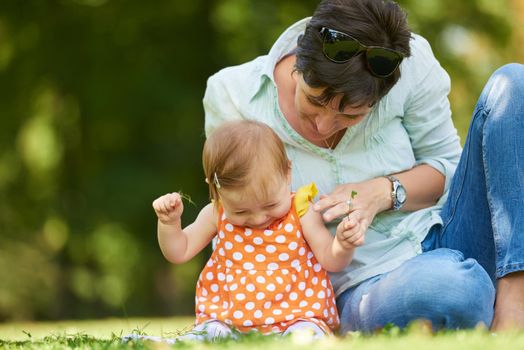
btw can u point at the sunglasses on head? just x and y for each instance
(340, 47)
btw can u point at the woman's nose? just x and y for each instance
(324, 123)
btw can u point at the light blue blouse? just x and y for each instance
(409, 126)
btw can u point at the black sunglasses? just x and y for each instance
(340, 47)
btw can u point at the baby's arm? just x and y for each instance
(180, 245)
(332, 253)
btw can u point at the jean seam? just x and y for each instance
(489, 199)
(509, 268)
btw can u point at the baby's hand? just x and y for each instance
(350, 233)
(169, 208)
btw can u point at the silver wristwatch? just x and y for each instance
(398, 193)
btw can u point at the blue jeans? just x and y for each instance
(452, 283)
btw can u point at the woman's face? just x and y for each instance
(319, 122)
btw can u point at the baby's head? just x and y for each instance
(248, 172)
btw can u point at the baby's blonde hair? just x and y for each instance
(244, 155)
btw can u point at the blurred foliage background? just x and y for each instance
(100, 107)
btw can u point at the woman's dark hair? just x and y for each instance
(373, 23)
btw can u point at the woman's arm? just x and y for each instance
(180, 245)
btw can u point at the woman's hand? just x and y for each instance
(373, 196)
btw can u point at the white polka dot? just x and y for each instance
(271, 249)
(229, 227)
(247, 323)
(284, 271)
(261, 279)
(302, 285)
(229, 278)
(272, 266)
(240, 296)
(295, 263)
(306, 273)
(250, 287)
(221, 251)
(317, 267)
(321, 294)
(288, 227)
(228, 321)
(239, 238)
(243, 280)
(210, 263)
(260, 296)
(250, 305)
(268, 232)
(288, 288)
(309, 292)
(269, 273)
(249, 248)
(233, 287)
(271, 287)
(324, 283)
(309, 314)
(225, 305)
(215, 299)
(302, 251)
(201, 308)
(316, 306)
(283, 257)
(238, 314)
(248, 232)
(303, 303)
(260, 258)
(228, 245)
(209, 275)
(332, 310)
(293, 277)
(221, 235)
(280, 239)
(267, 305)
(229, 263)
(203, 291)
(310, 255)
(248, 266)
(237, 256)
(329, 293)
(293, 296)
(285, 305)
(314, 280)
(214, 287)
(299, 234)
(213, 315)
(293, 245)
(277, 312)
(325, 313)
(290, 317)
(269, 320)
(279, 296)
(258, 240)
(258, 314)
(279, 279)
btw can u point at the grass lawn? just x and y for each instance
(105, 334)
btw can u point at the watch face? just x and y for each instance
(401, 194)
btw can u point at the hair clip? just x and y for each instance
(215, 181)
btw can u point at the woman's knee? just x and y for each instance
(505, 84)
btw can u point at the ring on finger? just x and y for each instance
(349, 202)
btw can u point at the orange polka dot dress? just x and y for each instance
(264, 279)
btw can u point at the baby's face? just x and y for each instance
(249, 212)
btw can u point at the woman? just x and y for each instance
(361, 105)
